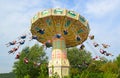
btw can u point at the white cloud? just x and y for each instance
(15, 19)
(63, 4)
(56, 3)
(101, 7)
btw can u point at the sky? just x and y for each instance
(15, 20)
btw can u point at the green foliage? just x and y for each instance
(7, 75)
(27, 76)
(118, 76)
(55, 75)
(79, 60)
(34, 55)
(118, 61)
(95, 65)
(43, 73)
(95, 75)
(78, 57)
(109, 67)
(109, 75)
(82, 65)
(94, 68)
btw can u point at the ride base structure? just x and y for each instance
(62, 28)
(59, 62)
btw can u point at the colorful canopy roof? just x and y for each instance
(57, 21)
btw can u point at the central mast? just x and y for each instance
(59, 63)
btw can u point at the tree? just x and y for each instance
(79, 60)
(32, 69)
(109, 67)
(7, 75)
(117, 61)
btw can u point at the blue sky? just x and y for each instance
(15, 16)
